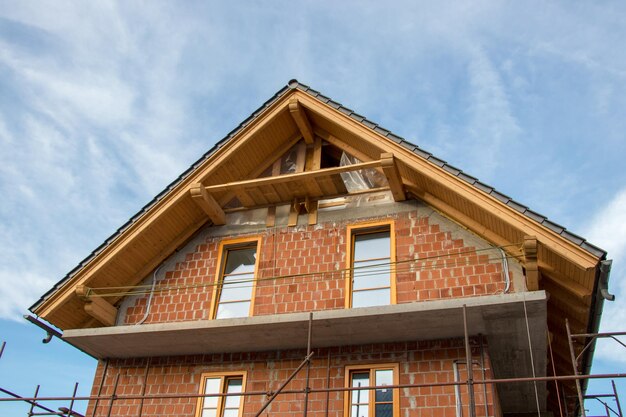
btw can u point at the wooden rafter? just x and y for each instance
(301, 119)
(390, 170)
(96, 307)
(208, 204)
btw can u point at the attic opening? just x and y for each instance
(303, 158)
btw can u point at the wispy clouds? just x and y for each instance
(105, 103)
(608, 229)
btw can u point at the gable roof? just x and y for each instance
(310, 97)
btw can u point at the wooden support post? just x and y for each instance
(530, 263)
(312, 210)
(300, 157)
(393, 176)
(294, 212)
(301, 119)
(97, 307)
(207, 203)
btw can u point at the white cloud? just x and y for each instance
(97, 128)
(607, 229)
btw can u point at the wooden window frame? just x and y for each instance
(224, 376)
(224, 247)
(349, 370)
(364, 228)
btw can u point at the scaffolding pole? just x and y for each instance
(469, 366)
(306, 361)
(581, 401)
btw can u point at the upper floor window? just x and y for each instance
(221, 406)
(233, 295)
(382, 402)
(371, 258)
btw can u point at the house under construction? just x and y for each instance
(315, 263)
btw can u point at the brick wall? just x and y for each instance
(313, 258)
(419, 363)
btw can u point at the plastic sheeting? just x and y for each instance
(363, 179)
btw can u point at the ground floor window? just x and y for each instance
(225, 406)
(380, 402)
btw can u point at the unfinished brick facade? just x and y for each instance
(455, 259)
(425, 362)
(303, 269)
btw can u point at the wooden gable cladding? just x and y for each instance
(566, 270)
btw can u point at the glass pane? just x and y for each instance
(372, 245)
(371, 298)
(383, 410)
(211, 386)
(231, 412)
(384, 377)
(371, 274)
(359, 410)
(230, 310)
(240, 260)
(212, 412)
(360, 379)
(234, 385)
(234, 289)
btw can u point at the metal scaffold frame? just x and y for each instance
(38, 409)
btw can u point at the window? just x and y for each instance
(371, 257)
(233, 295)
(226, 406)
(383, 402)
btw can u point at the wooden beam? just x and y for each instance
(301, 157)
(299, 116)
(390, 170)
(294, 212)
(102, 311)
(338, 143)
(244, 197)
(530, 263)
(273, 160)
(208, 204)
(316, 162)
(312, 210)
(287, 178)
(97, 307)
(557, 279)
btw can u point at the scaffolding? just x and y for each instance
(37, 408)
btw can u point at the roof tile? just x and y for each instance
(483, 187)
(553, 226)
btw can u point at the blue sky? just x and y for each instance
(102, 104)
